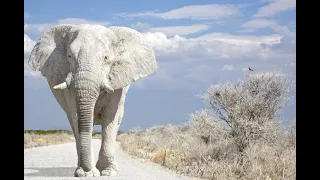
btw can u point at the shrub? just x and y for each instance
(249, 107)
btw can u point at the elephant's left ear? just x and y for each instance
(49, 54)
(134, 56)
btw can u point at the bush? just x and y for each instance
(239, 137)
(249, 107)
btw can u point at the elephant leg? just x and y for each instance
(72, 117)
(65, 100)
(111, 120)
(76, 136)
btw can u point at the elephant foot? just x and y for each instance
(111, 170)
(81, 173)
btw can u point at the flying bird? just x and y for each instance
(250, 69)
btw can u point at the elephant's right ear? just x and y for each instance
(49, 53)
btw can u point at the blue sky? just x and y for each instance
(197, 43)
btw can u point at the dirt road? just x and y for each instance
(58, 162)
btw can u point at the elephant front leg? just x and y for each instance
(110, 124)
(106, 162)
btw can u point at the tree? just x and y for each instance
(249, 107)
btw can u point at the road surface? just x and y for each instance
(58, 162)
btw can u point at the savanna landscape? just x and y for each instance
(167, 90)
(239, 135)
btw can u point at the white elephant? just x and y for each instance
(89, 69)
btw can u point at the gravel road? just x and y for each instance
(58, 162)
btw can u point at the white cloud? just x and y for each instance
(288, 39)
(30, 73)
(227, 67)
(82, 21)
(28, 44)
(268, 74)
(180, 30)
(263, 23)
(200, 12)
(258, 23)
(161, 43)
(195, 63)
(275, 7)
(244, 69)
(241, 39)
(38, 29)
(140, 26)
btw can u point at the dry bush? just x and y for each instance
(249, 107)
(238, 138)
(36, 139)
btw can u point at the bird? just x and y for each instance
(250, 69)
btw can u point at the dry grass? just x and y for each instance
(238, 138)
(179, 149)
(32, 139)
(96, 135)
(36, 138)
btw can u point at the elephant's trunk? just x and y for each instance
(87, 92)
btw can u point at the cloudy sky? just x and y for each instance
(196, 43)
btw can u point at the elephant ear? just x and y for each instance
(134, 56)
(49, 54)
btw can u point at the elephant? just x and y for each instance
(89, 69)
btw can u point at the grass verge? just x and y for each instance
(180, 149)
(37, 138)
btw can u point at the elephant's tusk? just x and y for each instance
(107, 86)
(60, 86)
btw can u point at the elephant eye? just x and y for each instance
(69, 56)
(106, 57)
